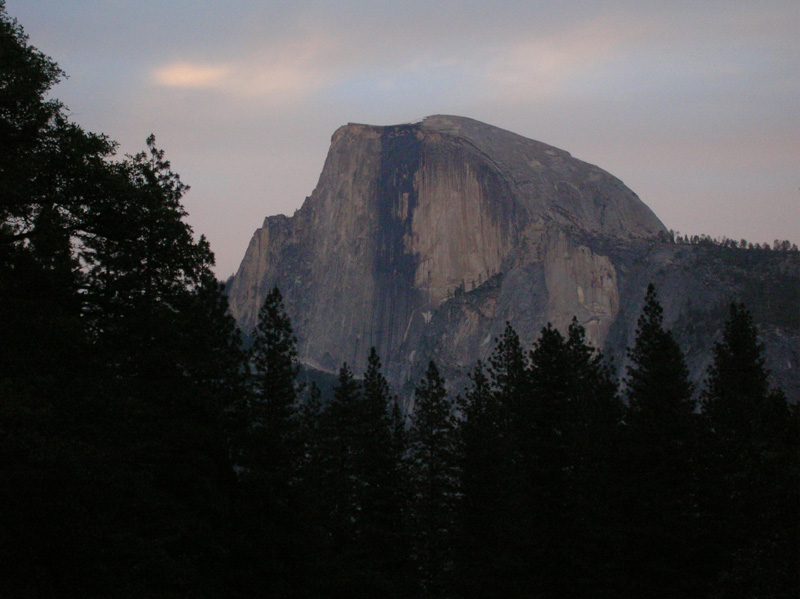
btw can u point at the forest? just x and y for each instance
(144, 452)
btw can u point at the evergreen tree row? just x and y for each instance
(542, 479)
(143, 453)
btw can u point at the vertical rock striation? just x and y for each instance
(424, 239)
(407, 218)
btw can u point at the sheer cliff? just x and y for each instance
(424, 239)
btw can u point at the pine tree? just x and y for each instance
(270, 450)
(497, 446)
(548, 459)
(658, 389)
(379, 460)
(756, 451)
(660, 454)
(596, 409)
(737, 399)
(212, 346)
(401, 534)
(310, 436)
(537, 440)
(434, 483)
(342, 416)
(508, 372)
(383, 543)
(375, 423)
(486, 555)
(274, 362)
(311, 503)
(341, 486)
(575, 424)
(269, 454)
(552, 388)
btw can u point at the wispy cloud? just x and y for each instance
(276, 81)
(187, 75)
(276, 72)
(683, 100)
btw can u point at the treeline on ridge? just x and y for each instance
(146, 454)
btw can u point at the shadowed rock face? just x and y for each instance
(424, 239)
(405, 217)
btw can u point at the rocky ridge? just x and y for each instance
(424, 239)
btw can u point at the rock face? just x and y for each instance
(424, 239)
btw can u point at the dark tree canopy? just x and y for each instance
(144, 453)
(119, 363)
(753, 435)
(658, 389)
(661, 473)
(507, 369)
(274, 357)
(434, 482)
(737, 398)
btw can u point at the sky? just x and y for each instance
(693, 105)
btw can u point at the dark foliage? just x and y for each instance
(143, 453)
(118, 361)
(755, 465)
(434, 484)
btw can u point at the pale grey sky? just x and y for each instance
(694, 105)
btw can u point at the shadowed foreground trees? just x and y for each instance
(538, 438)
(143, 454)
(117, 360)
(661, 448)
(433, 483)
(756, 461)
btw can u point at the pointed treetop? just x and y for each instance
(508, 363)
(737, 398)
(658, 388)
(274, 353)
